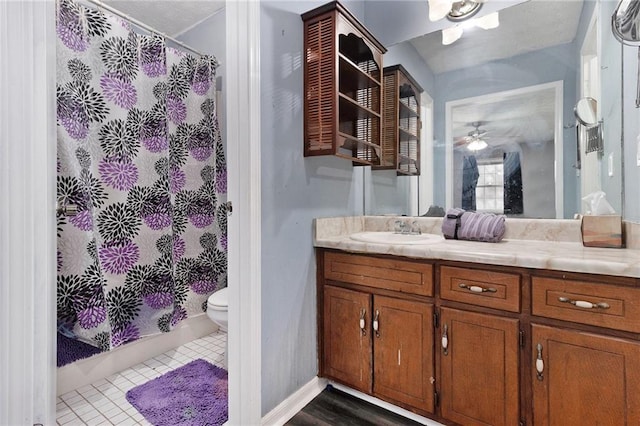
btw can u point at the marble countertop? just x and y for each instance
(541, 244)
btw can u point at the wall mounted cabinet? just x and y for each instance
(401, 122)
(342, 86)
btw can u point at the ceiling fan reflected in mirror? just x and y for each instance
(475, 139)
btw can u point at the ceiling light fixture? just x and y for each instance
(487, 22)
(463, 10)
(453, 10)
(438, 9)
(477, 145)
(449, 35)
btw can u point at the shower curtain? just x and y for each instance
(470, 177)
(140, 155)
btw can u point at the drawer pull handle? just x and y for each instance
(445, 340)
(584, 304)
(362, 322)
(539, 363)
(477, 288)
(376, 324)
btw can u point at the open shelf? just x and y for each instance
(343, 86)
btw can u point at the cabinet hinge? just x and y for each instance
(521, 338)
(436, 320)
(436, 398)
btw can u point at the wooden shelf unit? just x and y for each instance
(401, 122)
(343, 86)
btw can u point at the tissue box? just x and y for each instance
(602, 231)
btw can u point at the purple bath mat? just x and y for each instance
(194, 395)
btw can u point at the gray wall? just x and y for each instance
(295, 190)
(611, 106)
(631, 133)
(537, 180)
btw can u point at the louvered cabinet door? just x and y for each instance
(584, 379)
(479, 368)
(347, 337)
(320, 87)
(343, 86)
(403, 352)
(400, 145)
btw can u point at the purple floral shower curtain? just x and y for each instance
(140, 155)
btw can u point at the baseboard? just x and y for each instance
(294, 403)
(89, 370)
(387, 406)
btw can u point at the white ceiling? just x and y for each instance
(171, 17)
(509, 118)
(524, 28)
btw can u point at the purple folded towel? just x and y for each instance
(462, 225)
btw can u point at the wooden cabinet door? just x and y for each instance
(347, 345)
(479, 368)
(403, 352)
(586, 379)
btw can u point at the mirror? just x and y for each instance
(625, 25)
(537, 42)
(626, 22)
(507, 163)
(586, 110)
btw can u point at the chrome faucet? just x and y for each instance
(415, 228)
(401, 227)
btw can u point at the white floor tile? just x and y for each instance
(68, 418)
(112, 412)
(82, 410)
(122, 419)
(104, 402)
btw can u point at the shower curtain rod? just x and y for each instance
(143, 25)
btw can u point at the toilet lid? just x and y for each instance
(219, 298)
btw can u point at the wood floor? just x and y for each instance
(336, 408)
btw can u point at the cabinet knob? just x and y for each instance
(376, 324)
(477, 288)
(445, 340)
(584, 304)
(362, 324)
(539, 363)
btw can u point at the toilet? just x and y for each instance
(217, 306)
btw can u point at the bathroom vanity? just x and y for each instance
(526, 331)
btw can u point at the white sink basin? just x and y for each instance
(393, 238)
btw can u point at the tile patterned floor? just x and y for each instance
(104, 402)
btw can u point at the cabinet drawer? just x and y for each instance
(391, 274)
(491, 289)
(612, 306)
